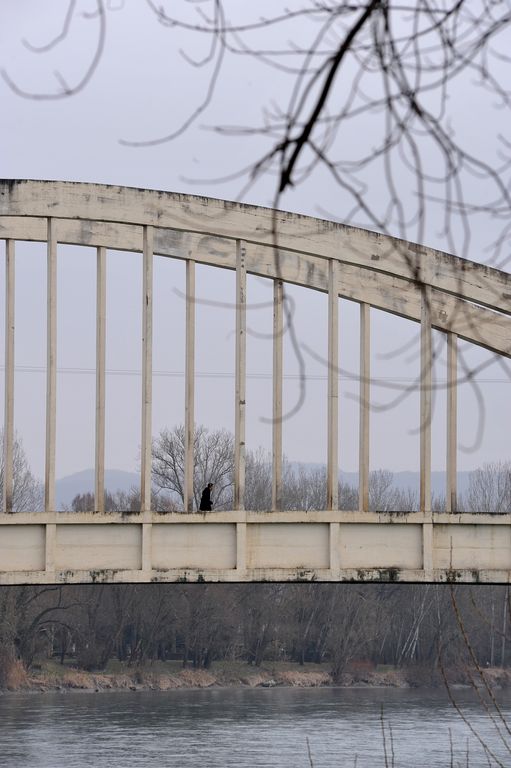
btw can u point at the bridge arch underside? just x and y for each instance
(463, 299)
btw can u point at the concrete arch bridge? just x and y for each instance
(462, 299)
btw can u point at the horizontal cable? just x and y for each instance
(230, 375)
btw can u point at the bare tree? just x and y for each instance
(382, 494)
(489, 489)
(208, 618)
(304, 487)
(27, 490)
(258, 480)
(213, 463)
(348, 496)
(347, 633)
(28, 617)
(385, 497)
(260, 611)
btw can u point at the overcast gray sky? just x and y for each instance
(144, 88)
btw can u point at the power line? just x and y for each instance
(263, 376)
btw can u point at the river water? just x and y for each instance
(246, 728)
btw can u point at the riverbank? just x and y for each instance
(164, 676)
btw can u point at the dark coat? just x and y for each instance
(205, 502)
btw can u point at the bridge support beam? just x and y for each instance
(8, 444)
(99, 471)
(51, 368)
(189, 385)
(365, 400)
(278, 296)
(332, 482)
(451, 503)
(426, 366)
(240, 385)
(147, 369)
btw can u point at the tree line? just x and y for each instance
(304, 487)
(410, 627)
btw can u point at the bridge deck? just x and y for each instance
(49, 548)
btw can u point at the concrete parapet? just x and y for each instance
(254, 546)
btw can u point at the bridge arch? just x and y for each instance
(460, 298)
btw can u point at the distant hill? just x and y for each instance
(82, 482)
(119, 480)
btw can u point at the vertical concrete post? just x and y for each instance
(147, 369)
(452, 426)
(426, 378)
(99, 471)
(50, 550)
(189, 385)
(427, 548)
(241, 549)
(51, 367)
(8, 445)
(365, 395)
(332, 484)
(240, 386)
(335, 549)
(147, 378)
(278, 294)
(147, 557)
(425, 401)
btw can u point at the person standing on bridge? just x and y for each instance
(206, 504)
